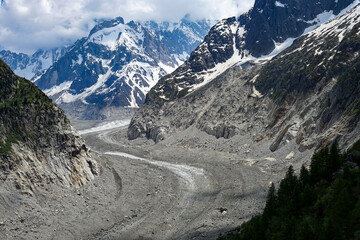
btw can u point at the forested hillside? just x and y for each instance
(323, 202)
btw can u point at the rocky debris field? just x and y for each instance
(181, 188)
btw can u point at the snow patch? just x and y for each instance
(234, 28)
(255, 93)
(279, 47)
(290, 156)
(318, 52)
(279, 4)
(236, 58)
(320, 19)
(168, 69)
(253, 80)
(78, 61)
(58, 89)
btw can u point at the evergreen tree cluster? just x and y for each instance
(323, 202)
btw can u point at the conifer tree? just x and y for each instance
(271, 202)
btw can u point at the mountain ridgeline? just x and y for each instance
(38, 145)
(254, 34)
(32, 66)
(306, 96)
(118, 63)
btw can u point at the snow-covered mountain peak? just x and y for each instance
(120, 35)
(106, 24)
(118, 63)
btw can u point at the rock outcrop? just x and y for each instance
(38, 145)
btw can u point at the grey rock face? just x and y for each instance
(303, 95)
(38, 145)
(219, 108)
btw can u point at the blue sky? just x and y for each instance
(27, 25)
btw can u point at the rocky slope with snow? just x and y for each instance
(305, 97)
(38, 145)
(265, 30)
(118, 63)
(32, 66)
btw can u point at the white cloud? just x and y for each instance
(27, 25)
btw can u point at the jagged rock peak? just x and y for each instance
(38, 145)
(107, 24)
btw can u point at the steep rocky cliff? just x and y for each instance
(307, 96)
(38, 145)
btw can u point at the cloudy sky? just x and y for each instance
(27, 25)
